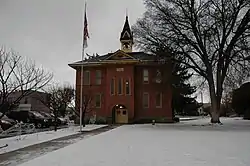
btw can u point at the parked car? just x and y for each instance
(6, 122)
(29, 117)
(60, 120)
(48, 117)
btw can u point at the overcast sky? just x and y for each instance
(50, 31)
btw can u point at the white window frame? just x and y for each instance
(145, 74)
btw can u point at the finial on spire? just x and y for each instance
(126, 12)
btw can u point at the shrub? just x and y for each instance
(149, 120)
(176, 119)
(101, 120)
(77, 120)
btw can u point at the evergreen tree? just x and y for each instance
(240, 100)
(182, 102)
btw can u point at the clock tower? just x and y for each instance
(126, 38)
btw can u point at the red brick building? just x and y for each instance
(124, 86)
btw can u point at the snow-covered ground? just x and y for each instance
(22, 141)
(185, 118)
(194, 143)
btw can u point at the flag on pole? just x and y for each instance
(85, 30)
(85, 38)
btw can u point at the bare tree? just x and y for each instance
(87, 106)
(227, 103)
(66, 95)
(212, 35)
(58, 99)
(18, 74)
(236, 76)
(61, 97)
(89, 103)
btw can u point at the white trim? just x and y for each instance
(144, 76)
(125, 33)
(119, 52)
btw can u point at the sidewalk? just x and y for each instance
(31, 152)
(18, 142)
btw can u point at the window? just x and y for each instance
(145, 100)
(86, 78)
(120, 86)
(158, 78)
(158, 100)
(112, 86)
(98, 101)
(145, 76)
(127, 87)
(98, 77)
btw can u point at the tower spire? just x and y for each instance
(126, 37)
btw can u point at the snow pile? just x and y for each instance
(157, 145)
(17, 142)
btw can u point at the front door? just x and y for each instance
(121, 115)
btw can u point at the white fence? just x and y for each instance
(18, 129)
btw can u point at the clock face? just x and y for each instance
(126, 45)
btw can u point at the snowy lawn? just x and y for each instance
(193, 143)
(185, 118)
(22, 141)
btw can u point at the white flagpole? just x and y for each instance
(81, 88)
